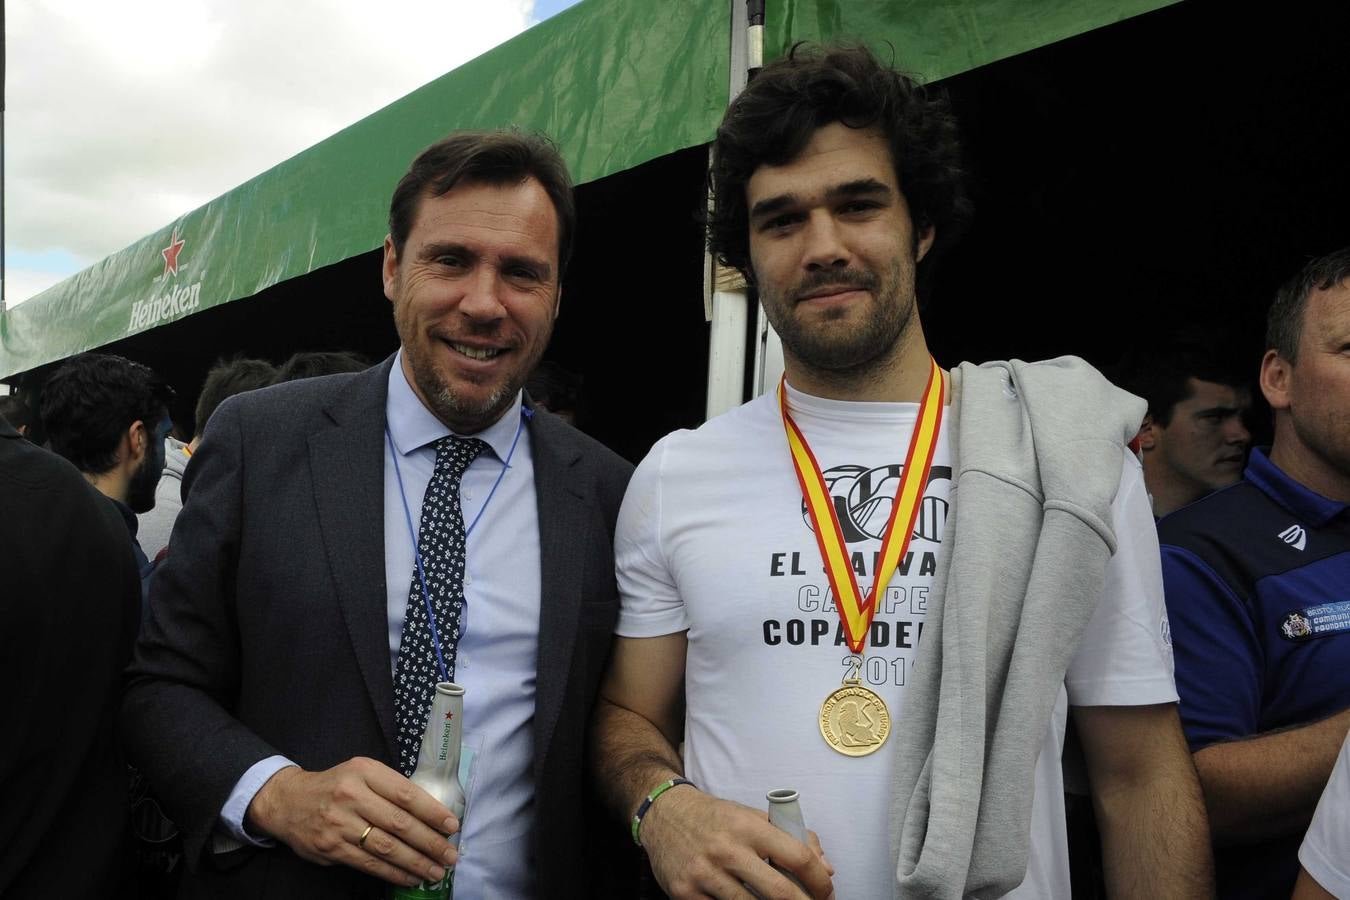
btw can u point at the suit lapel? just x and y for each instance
(562, 526)
(347, 462)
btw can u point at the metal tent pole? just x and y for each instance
(768, 348)
(726, 301)
(3, 63)
(740, 331)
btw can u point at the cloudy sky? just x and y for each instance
(120, 116)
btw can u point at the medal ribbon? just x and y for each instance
(855, 612)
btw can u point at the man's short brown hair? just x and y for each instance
(490, 157)
(1284, 322)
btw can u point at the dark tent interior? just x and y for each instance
(1165, 172)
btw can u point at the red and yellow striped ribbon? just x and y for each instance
(855, 612)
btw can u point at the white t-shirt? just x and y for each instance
(713, 539)
(1326, 847)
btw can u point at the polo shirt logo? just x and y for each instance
(1295, 537)
(1316, 621)
(1296, 626)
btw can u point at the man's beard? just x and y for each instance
(830, 350)
(141, 489)
(461, 413)
(457, 412)
(1328, 439)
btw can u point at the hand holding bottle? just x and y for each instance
(324, 817)
(701, 846)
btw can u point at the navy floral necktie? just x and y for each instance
(440, 542)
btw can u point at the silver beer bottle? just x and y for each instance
(785, 814)
(437, 773)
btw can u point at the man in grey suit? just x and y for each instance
(280, 685)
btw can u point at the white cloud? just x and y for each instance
(122, 116)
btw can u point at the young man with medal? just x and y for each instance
(805, 604)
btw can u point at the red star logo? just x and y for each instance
(170, 254)
(449, 716)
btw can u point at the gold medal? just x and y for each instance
(854, 719)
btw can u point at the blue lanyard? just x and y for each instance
(525, 415)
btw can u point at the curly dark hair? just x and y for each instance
(499, 158)
(91, 401)
(772, 120)
(1284, 321)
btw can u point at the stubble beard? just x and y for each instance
(141, 487)
(1327, 438)
(834, 352)
(457, 411)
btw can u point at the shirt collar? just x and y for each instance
(1307, 504)
(413, 426)
(800, 402)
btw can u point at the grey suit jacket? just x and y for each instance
(267, 631)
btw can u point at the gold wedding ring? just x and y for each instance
(361, 841)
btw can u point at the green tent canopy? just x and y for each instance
(615, 83)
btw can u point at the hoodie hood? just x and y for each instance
(176, 457)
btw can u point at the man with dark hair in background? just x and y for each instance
(313, 363)
(226, 378)
(281, 688)
(109, 416)
(16, 412)
(800, 549)
(1256, 577)
(1193, 439)
(67, 620)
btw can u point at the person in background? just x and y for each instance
(17, 412)
(109, 416)
(1256, 577)
(311, 364)
(226, 378)
(1193, 439)
(68, 613)
(1324, 856)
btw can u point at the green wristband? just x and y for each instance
(651, 798)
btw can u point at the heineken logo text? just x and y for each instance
(171, 304)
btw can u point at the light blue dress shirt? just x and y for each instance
(496, 660)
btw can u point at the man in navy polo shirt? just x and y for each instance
(1257, 580)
